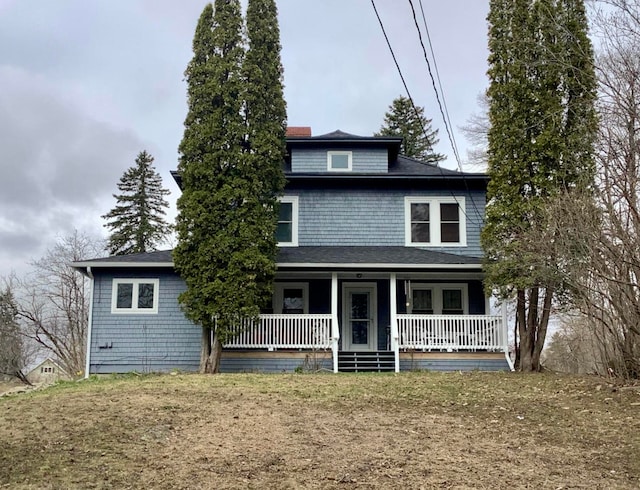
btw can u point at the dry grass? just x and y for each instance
(414, 430)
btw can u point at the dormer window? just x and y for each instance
(339, 161)
(287, 231)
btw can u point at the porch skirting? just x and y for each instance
(279, 361)
(288, 361)
(453, 361)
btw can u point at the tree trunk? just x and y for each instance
(216, 354)
(523, 332)
(541, 331)
(205, 351)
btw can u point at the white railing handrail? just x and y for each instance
(450, 332)
(281, 331)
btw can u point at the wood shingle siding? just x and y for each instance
(154, 342)
(369, 160)
(339, 217)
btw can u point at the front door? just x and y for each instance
(359, 316)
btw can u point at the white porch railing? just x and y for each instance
(284, 332)
(451, 332)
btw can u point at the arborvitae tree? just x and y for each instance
(230, 159)
(402, 119)
(541, 110)
(11, 341)
(137, 221)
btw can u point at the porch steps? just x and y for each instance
(360, 362)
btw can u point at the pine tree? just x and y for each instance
(11, 341)
(541, 110)
(230, 161)
(402, 119)
(137, 221)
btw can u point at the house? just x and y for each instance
(379, 267)
(48, 371)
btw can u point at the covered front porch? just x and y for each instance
(363, 319)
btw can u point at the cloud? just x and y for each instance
(58, 162)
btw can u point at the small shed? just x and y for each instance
(48, 371)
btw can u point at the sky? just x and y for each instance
(85, 85)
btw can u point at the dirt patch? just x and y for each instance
(414, 430)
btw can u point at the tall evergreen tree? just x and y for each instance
(540, 142)
(137, 221)
(230, 161)
(402, 119)
(12, 357)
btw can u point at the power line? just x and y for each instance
(443, 111)
(384, 32)
(435, 89)
(435, 66)
(393, 55)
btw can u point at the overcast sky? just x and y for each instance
(87, 84)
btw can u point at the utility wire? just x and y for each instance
(435, 67)
(435, 88)
(443, 110)
(384, 32)
(393, 55)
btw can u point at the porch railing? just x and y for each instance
(283, 332)
(451, 332)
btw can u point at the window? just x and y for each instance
(438, 299)
(339, 161)
(291, 298)
(435, 221)
(138, 296)
(46, 369)
(287, 231)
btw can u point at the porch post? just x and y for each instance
(393, 310)
(505, 335)
(335, 330)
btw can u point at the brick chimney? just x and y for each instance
(301, 131)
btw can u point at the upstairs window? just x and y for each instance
(135, 296)
(435, 221)
(339, 161)
(287, 231)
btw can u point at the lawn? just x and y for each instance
(414, 430)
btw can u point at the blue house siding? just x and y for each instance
(364, 160)
(336, 217)
(147, 343)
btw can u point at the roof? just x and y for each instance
(373, 257)
(349, 257)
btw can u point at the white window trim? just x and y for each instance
(436, 295)
(434, 220)
(134, 310)
(278, 295)
(330, 161)
(294, 221)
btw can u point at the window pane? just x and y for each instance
(449, 232)
(293, 301)
(420, 212)
(145, 295)
(422, 300)
(360, 333)
(125, 296)
(449, 212)
(420, 232)
(286, 211)
(339, 161)
(452, 299)
(284, 233)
